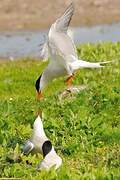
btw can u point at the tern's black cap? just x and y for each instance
(46, 147)
(37, 84)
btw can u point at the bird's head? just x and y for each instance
(38, 88)
(42, 82)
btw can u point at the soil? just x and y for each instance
(40, 14)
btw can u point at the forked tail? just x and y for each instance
(78, 64)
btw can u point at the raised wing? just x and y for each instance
(28, 147)
(59, 42)
(62, 23)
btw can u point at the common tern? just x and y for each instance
(39, 143)
(51, 159)
(62, 53)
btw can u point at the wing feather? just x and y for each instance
(28, 147)
(62, 23)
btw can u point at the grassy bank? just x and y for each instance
(84, 129)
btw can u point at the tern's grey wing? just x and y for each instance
(65, 45)
(28, 147)
(59, 43)
(62, 23)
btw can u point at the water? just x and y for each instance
(21, 44)
(27, 43)
(97, 33)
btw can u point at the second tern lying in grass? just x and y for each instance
(63, 54)
(39, 143)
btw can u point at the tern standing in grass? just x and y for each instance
(39, 143)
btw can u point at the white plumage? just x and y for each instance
(50, 160)
(39, 143)
(37, 139)
(62, 51)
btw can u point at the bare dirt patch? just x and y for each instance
(39, 14)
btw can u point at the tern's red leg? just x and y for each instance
(69, 80)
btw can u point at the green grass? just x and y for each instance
(85, 129)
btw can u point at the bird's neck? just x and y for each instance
(46, 77)
(39, 132)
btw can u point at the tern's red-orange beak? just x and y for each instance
(39, 95)
(39, 113)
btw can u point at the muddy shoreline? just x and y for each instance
(40, 14)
